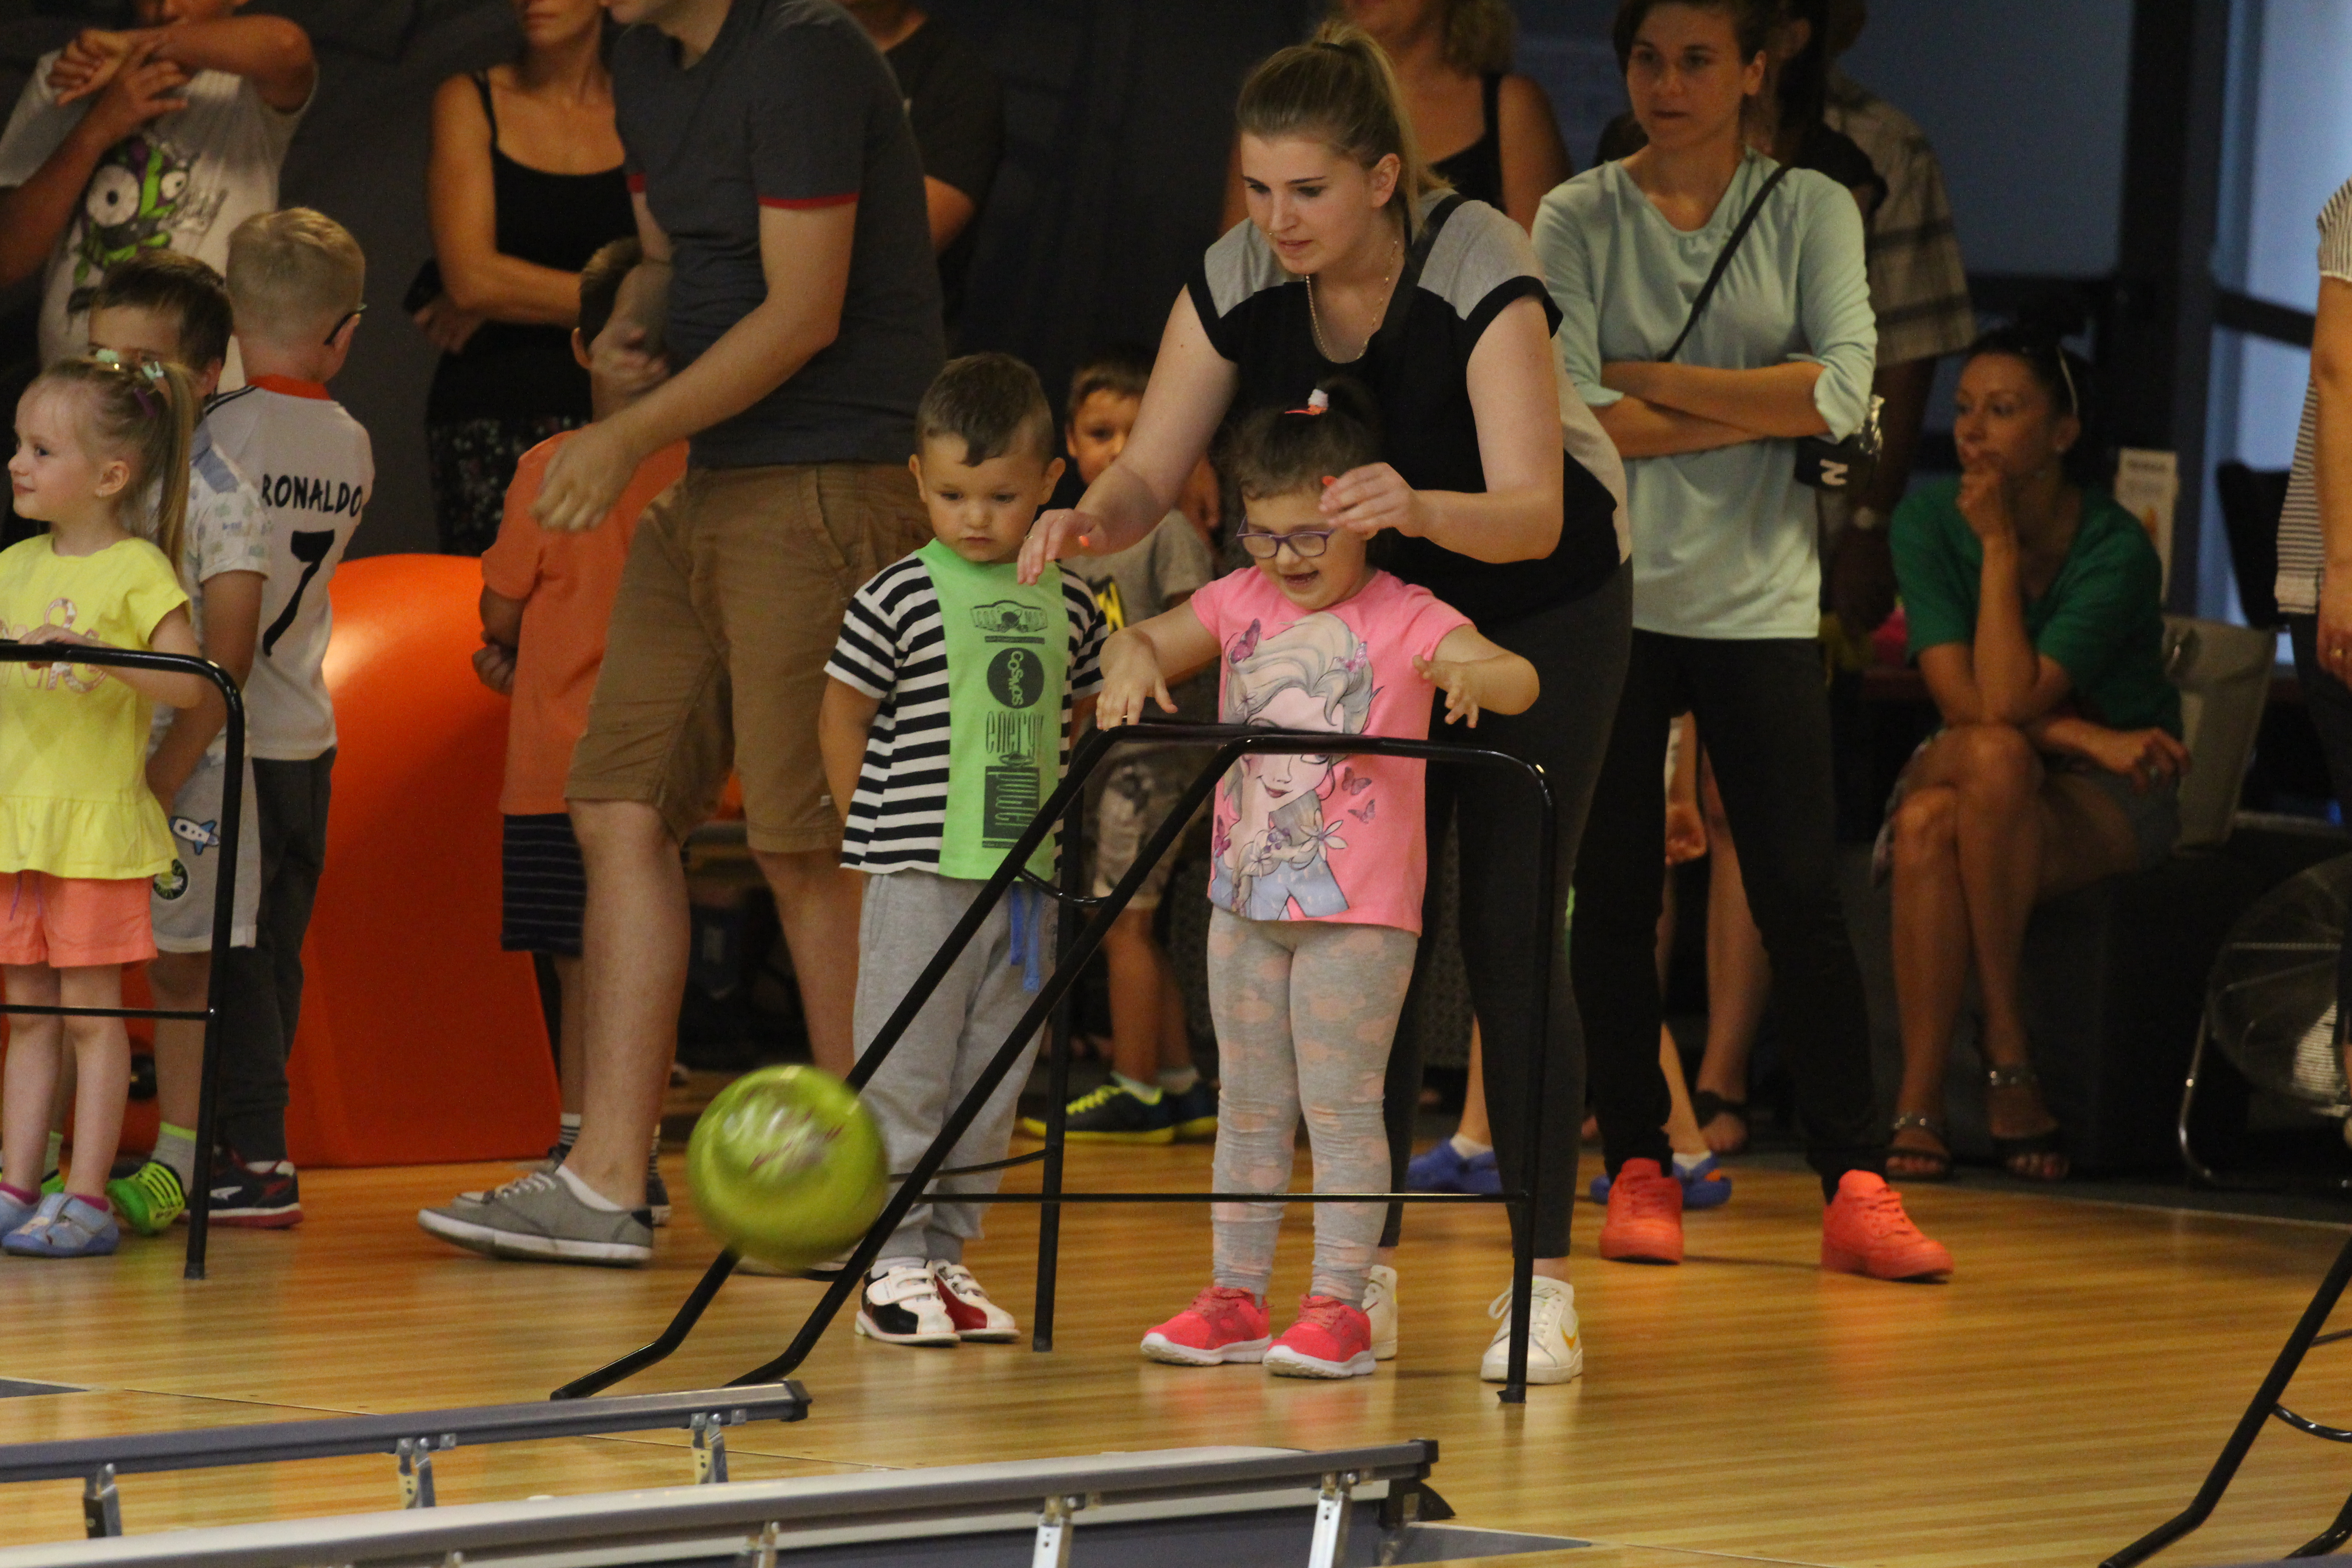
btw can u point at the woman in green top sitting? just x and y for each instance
(2035, 615)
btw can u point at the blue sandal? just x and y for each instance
(64, 1227)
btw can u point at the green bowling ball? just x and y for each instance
(786, 1166)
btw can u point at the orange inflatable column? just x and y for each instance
(420, 1040)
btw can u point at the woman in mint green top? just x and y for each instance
(2034, 613)
(1727, 595)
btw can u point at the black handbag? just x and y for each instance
(1840, 466)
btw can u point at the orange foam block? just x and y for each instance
(420, 1041)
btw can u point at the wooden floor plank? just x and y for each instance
(2061, 1396)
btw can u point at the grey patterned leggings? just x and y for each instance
(1305, 1012)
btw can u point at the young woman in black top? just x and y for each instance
(524, 185)
(1488, 498)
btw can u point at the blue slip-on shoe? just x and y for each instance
(1705, 1186)
(1444, 1170)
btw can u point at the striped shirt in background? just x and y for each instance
(2301, 551)
(894, 649)
(1918, 287)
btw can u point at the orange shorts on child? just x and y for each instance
(75, 922)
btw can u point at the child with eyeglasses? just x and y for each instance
(1319, 861)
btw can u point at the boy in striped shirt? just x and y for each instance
(949, 708)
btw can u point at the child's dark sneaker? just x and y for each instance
(1331, 1339)
(975, 1316)
(150, 1198)
(903, 1306)
(1193, 1113)
(657, 1190)
(1222, 1325)
(267, 1197)
(1111, 1114)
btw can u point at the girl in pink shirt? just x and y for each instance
(1318, 862)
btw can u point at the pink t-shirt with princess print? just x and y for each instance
(1318, 838)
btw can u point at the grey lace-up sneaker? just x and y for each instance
(538, 1218)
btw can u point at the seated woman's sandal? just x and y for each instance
(2050, 1140)
(1932, 1164)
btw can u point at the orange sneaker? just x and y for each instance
(1645, 1215)
(1865, 1231)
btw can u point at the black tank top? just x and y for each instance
(509, 372)
(1476, 170)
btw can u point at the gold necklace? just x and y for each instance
(1314, 319)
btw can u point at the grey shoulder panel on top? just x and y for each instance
(1478, 250)
(1239, 265)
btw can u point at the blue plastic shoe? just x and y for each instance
(1443, 1170)
(1705, 1186)
(64, 1227)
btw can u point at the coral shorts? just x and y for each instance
(75, 922)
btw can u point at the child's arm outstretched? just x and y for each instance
(1477, 675)
(493, 661)
(172, 634)
(1139, 662)
(842, 723)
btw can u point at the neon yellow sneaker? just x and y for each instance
(1113, 1114)
(150, 1198)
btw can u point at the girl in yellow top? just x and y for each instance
(81, 836)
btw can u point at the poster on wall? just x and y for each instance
(2148, 484)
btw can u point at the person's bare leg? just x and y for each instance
(817, 901)
(29, 1087)
(1475, 1127)
(1931, 951)
(101, 1049)
(181, 983)
(571, 1034)
(1739, 978)
(1137, 973)
(1682, 1125)
(633, 979)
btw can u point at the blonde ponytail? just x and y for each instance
(1341, 90)
(145, 411)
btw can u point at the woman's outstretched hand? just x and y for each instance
(1061, 533)
(1366, 499)
(2147, 757)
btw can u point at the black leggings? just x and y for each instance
(2329, 702)
(1763, 715)
(1579, 652)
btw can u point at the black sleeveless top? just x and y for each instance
(1476, 170)
(1255, 315)
(511, 372)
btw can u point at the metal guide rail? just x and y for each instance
(411, 1438)
(755, 1524)
(230, 831)
(1228, 744)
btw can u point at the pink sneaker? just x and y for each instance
(1222, 1325)
(1331, 1339)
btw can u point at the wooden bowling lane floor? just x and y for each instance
(2065, 1394)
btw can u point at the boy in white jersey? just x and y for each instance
(295, 279)
(162, 305)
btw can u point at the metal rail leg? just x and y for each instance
(711, 1448)
(1055, 1523)
(416, 1456)
(1329, 1548)
(2250, 1424)
(102, 1506)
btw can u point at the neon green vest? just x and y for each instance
(1008, 651)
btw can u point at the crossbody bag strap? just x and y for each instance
(1723, 260)
(1416, 257)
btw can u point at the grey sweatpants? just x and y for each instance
(1304, 1013)
(908, 915)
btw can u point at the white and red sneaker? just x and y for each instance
(975, 1316)
(1331, 1339)
(1222, 1325)
(902, 1306)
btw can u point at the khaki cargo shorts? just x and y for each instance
(727, 609)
